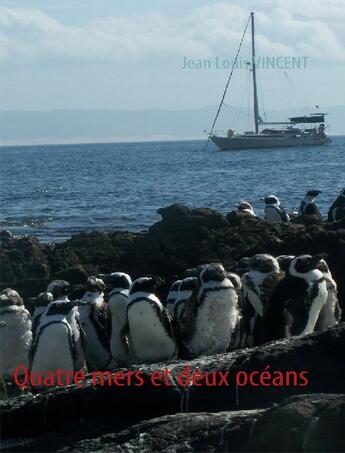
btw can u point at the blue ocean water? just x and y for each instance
(57, 190)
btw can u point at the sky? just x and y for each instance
(130, 54)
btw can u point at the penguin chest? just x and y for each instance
(16, 338)
(216, 319)
(150, 340)
(317, 292)
(53, 349)
(272, 215)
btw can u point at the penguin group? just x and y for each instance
(117, 322)
(308, 210)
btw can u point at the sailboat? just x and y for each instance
(288, 135)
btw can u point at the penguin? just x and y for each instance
(330, 314)
(238, 338)
(245, 209)
(149, 324)
(96, 321)
(58, 343)
(211, 313)
(297, 300)
(284, 261)
(172, 296)
(337, 210)
(55, 285)
(243, 266)
(16, 334)
(187, 286)
(308, 207)
(274, 213)
(40, 303)
(258, 284)
(118, 284)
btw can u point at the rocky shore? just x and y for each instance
(184, 238)
(175, 418)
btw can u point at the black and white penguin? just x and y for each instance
(118, 284)
(149, 324)
(284, 261)
(16, 334)
(211, 314)
(308, 206)
(238, 339)
(58, 343)
(60, 288)
(330, 314)
(95, 319)
(245, 209)
(243, 266)
(258, 285)
(274, 213)
(297, 300)
(172, 296)
(187, 286)
(337, 210)
(40, 303)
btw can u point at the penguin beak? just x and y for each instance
(262, 200)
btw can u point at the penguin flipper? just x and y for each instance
(268, 285)
(166, 320)
(252, 295)
(188, 316)
(124, 337)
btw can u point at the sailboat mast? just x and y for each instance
(256, 108)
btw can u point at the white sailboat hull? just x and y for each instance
(262, 141)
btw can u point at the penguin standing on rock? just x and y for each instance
(297, 300)
(96, 322)
(258, 284)
(211, 314)
(274, 213)
(308, 206)
(58, 342)
(172, 296)
(118, 285)
(15, 334)
(245, 209)
(330, 314)
(337, 210)
(149, 325)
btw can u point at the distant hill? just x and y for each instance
(81, 126)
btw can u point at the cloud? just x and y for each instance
(315, 31)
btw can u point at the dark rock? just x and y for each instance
(222, 431)
(6, 235)
(183, 239)
(306, 423)
(122, 406)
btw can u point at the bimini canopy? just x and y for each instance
(314, 118)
